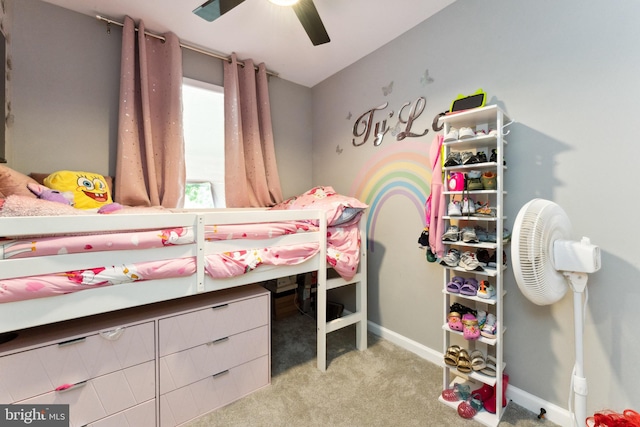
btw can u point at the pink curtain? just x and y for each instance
(150, 169)
(251, 172)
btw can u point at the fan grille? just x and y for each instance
(538, 224)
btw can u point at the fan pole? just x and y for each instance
(579, 381)
(578, 282)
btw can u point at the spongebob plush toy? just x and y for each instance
(90, 190)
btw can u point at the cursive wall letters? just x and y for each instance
(365, 123)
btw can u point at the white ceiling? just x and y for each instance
(272, 34)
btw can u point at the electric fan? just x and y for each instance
(544, 262)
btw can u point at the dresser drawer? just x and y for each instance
(32, 372)
(143, 415)
(186, 403)
(191, 365)
(105, 395)
(192, 329)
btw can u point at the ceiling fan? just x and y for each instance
(304, 9)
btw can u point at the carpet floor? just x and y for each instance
(384, 385)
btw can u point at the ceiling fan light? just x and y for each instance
(284, 2)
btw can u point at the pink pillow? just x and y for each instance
(15, 183)
(339, 209)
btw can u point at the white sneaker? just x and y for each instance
(452, 234)
(451, 136)
(465, 133)
(454, 209)
(468, 207)
(469, 262)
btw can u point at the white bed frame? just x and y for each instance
(30, 313)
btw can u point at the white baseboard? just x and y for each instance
(554, 413)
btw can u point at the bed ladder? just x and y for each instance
(359, 317)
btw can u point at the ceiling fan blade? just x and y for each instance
(311, 21)
(214, 9)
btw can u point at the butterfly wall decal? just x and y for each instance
(386, 90)
(425, 79)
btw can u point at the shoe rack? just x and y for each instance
(480, 140)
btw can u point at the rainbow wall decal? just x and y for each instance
(400, 169)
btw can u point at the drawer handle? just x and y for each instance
(218, 341)
(73, 341)
(113, 334)
(218, 307)
(69, 387)
(219, 374)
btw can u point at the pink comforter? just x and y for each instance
(343, 250)
(342, 255)
(147, 239)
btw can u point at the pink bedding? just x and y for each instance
(218, 266)
(343, 250)
(146, 239)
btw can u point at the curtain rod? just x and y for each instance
(183, 45)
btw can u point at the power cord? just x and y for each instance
(295, 302)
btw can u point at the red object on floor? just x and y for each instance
(485, 392)
(628, 418)
(490, 404)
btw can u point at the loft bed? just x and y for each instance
(211, 250)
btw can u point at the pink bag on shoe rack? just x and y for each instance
(455, 182)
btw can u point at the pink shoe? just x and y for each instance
(470, 407)
(454, 321)
(470, 330)
(458, 392)
(490, 404)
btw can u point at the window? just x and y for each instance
(203, 121)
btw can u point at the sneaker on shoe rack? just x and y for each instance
(474, 180)
(452, 234)
(493, 261)
(482, 158)
(506, 235)
(481, 133)
(474, 174)
(454, 208)
(485, 210)
(494, 157)
(469, 262)
(451, 259)
(453, 159)
(489, 180)
(486, 290)
(451, 136)
(469, 235)
(474, 184)
(492, 132)
(468, 158)
(468, 206)
(481, 233)
(483, 257)
(466, 133)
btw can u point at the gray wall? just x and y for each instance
(567, 73)
(65, 89)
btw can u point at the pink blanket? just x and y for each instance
(146, 239)
(343, 250)
(217, 266)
